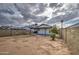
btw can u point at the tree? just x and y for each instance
(53, 31)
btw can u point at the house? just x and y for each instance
(42, 29)
(4, 27)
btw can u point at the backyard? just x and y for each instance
(32, 45)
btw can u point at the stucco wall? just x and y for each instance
(71, 37)
(8, 32)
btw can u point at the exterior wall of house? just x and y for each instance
(43, 31)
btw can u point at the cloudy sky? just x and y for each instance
(21, 14)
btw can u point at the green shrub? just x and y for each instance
(53, 31)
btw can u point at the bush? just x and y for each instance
(53, 31)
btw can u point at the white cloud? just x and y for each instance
(48, 12)
(61, 13)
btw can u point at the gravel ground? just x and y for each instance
(32, 45)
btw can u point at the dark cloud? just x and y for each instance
(7, 14)
(55, 5)
(5, 21)
(18, 13)
(27, 9)
(6, 11)
(6, 8)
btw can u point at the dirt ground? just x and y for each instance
(32, 45)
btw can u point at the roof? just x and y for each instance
(41, 26)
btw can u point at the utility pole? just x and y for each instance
(29, 27)
(61, 33)
(11, 30)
